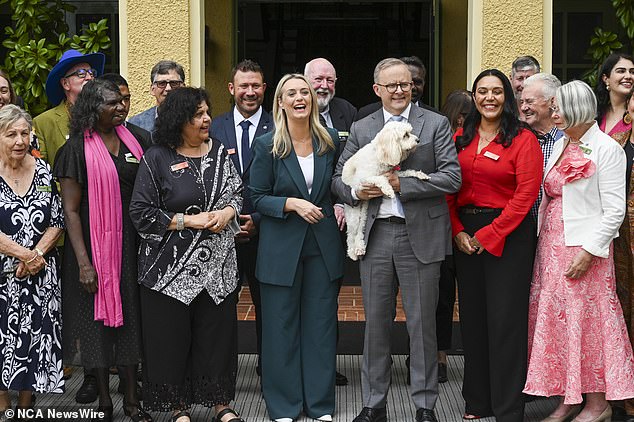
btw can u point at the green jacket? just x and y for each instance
(51, 128)
(282, 234)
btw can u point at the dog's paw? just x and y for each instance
(359, 251)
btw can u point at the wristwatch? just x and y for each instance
(39, 251)
(180, 221)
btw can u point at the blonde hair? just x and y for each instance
(282, 143)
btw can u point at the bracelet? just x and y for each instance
(180, 221)
(32, 259)
(39, 251)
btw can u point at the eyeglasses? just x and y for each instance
(173, 84)
(81, 73)
(391, 88)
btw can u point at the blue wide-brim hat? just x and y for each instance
(70, 58)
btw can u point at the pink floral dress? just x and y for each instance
(577, 339)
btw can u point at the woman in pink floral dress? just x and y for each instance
(578, 342)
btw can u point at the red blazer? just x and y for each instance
(507, 178)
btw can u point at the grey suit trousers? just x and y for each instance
(390, 260)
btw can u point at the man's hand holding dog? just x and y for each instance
(368, 191)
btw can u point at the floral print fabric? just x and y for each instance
(30, 307)
(578, 341)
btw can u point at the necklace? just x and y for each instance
(486, 137)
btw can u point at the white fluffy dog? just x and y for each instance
(393, 144)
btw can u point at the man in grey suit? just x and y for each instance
(236, 130)
(407, 238)
(164, 76)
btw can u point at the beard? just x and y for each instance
(323, 102)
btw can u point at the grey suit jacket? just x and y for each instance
(424, 204)
(145, 119)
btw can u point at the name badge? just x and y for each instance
(43, 189)
(231, 151)
(491, 155)
(179, 166)
(343, 136)
(585, 149)
(130, 158)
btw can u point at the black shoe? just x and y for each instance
(371, 415)
(442, 373)
(340, 379)
(425, 415)
(87, 393)
(618, 414)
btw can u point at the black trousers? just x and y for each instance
(494, 293)
(191, 352)
(247, 256)
(446, 300)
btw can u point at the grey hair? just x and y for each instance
(577, 103)
(384, 64)
(163, 68)
(525, 63)
(10, 113)
(550, 83)
(309, 65)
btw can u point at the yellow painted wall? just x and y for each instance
(152, 31)
(219, 52)
(453, 66)
(501, 30)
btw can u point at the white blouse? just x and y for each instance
(308, 168)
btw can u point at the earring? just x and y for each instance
(607, 86)
(627, 119)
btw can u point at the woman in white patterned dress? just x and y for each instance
(31, 220)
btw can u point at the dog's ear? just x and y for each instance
(388, 147)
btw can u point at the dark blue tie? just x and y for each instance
(246, 148)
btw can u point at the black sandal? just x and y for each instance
(140, 416)
(180, 414)
(226, 412)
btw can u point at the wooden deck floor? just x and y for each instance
(250, 404)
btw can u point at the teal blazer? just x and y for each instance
(282, 234)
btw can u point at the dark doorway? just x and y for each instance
(354, 36)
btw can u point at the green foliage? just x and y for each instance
(36, 42)
(605, 43)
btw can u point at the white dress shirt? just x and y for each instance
(239, 118)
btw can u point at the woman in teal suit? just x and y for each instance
(299, 255)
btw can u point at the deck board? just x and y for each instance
(250, 404)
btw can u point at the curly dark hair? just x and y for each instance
(86, 111)
(602, 93)
(510, 126)
(178, 109)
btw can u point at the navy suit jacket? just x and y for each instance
(223, 129)
(341, 113)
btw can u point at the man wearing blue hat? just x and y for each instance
(63, 85)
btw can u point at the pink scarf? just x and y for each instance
(106, 222)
